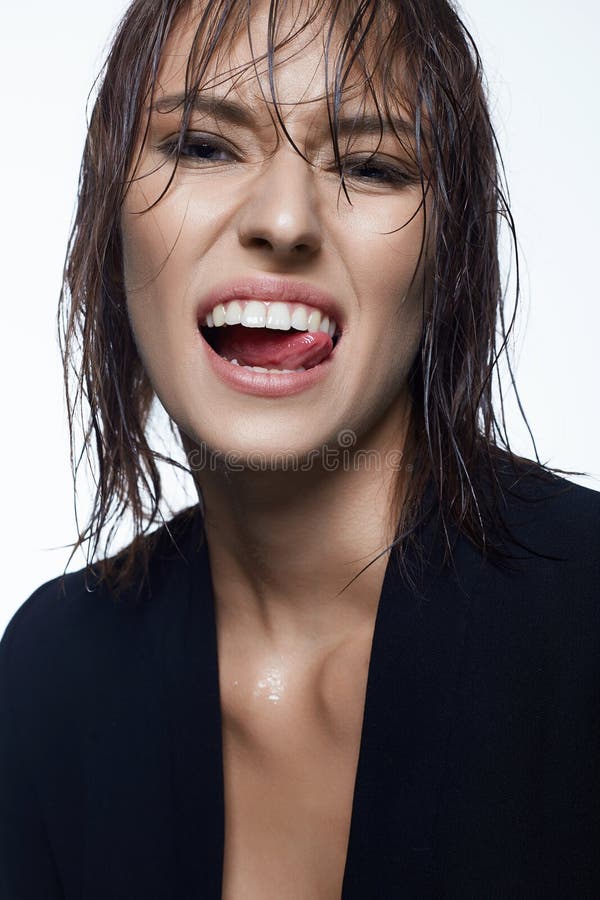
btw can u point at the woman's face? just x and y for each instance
(249, 206)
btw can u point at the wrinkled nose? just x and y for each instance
(281, 216)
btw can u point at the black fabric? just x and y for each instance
(478, 775)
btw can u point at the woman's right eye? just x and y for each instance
(196, 147)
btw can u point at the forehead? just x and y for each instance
(305, 46)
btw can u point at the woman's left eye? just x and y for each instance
(387, 173)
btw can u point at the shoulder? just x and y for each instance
(553, 516)
(543, 597)
(74, 623)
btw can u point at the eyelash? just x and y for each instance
(391, 173)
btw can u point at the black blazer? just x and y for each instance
(478, 775)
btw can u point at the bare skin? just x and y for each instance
(291, 730)
(293, 651)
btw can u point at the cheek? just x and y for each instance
(389, 278)
(147, 278)
(384, 244)
(395, 342)
(144, 250)
(163, 247)
(154, 251)
(137, 246)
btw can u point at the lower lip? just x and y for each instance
(266, 384)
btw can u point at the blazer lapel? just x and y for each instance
(413, 671)
(152, 758)
(192, 680)
(126, 760)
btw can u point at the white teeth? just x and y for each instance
(218, 315)
(277, 315)
(261, 369)
(299, 319)
(276, 371)
(233, 313)
(314, 320)
(253, 315)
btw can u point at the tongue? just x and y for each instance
(273, 349)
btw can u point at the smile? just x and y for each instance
(270, 349)
(270, 337)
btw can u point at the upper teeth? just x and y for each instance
(256, 314)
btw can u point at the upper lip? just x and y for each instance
(273, 289)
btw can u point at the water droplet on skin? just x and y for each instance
(272, 684)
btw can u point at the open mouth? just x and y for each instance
(269, 346)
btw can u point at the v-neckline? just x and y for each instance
(406, 715)
(387, 591)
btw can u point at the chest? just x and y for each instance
(291, 741)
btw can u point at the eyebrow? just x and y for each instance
(239, 114)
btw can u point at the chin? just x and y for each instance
(243, 452)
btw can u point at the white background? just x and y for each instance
(543, 68)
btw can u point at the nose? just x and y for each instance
(280, 215)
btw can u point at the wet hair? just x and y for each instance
(426, 64)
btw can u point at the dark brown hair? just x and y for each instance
(456, 444)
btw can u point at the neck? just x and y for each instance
(284, 544)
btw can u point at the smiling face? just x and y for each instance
(243, 204)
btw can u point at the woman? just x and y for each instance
(365, 663)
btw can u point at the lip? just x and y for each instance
(272, 289)
(263, 384)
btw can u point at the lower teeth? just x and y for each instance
(261, 369)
